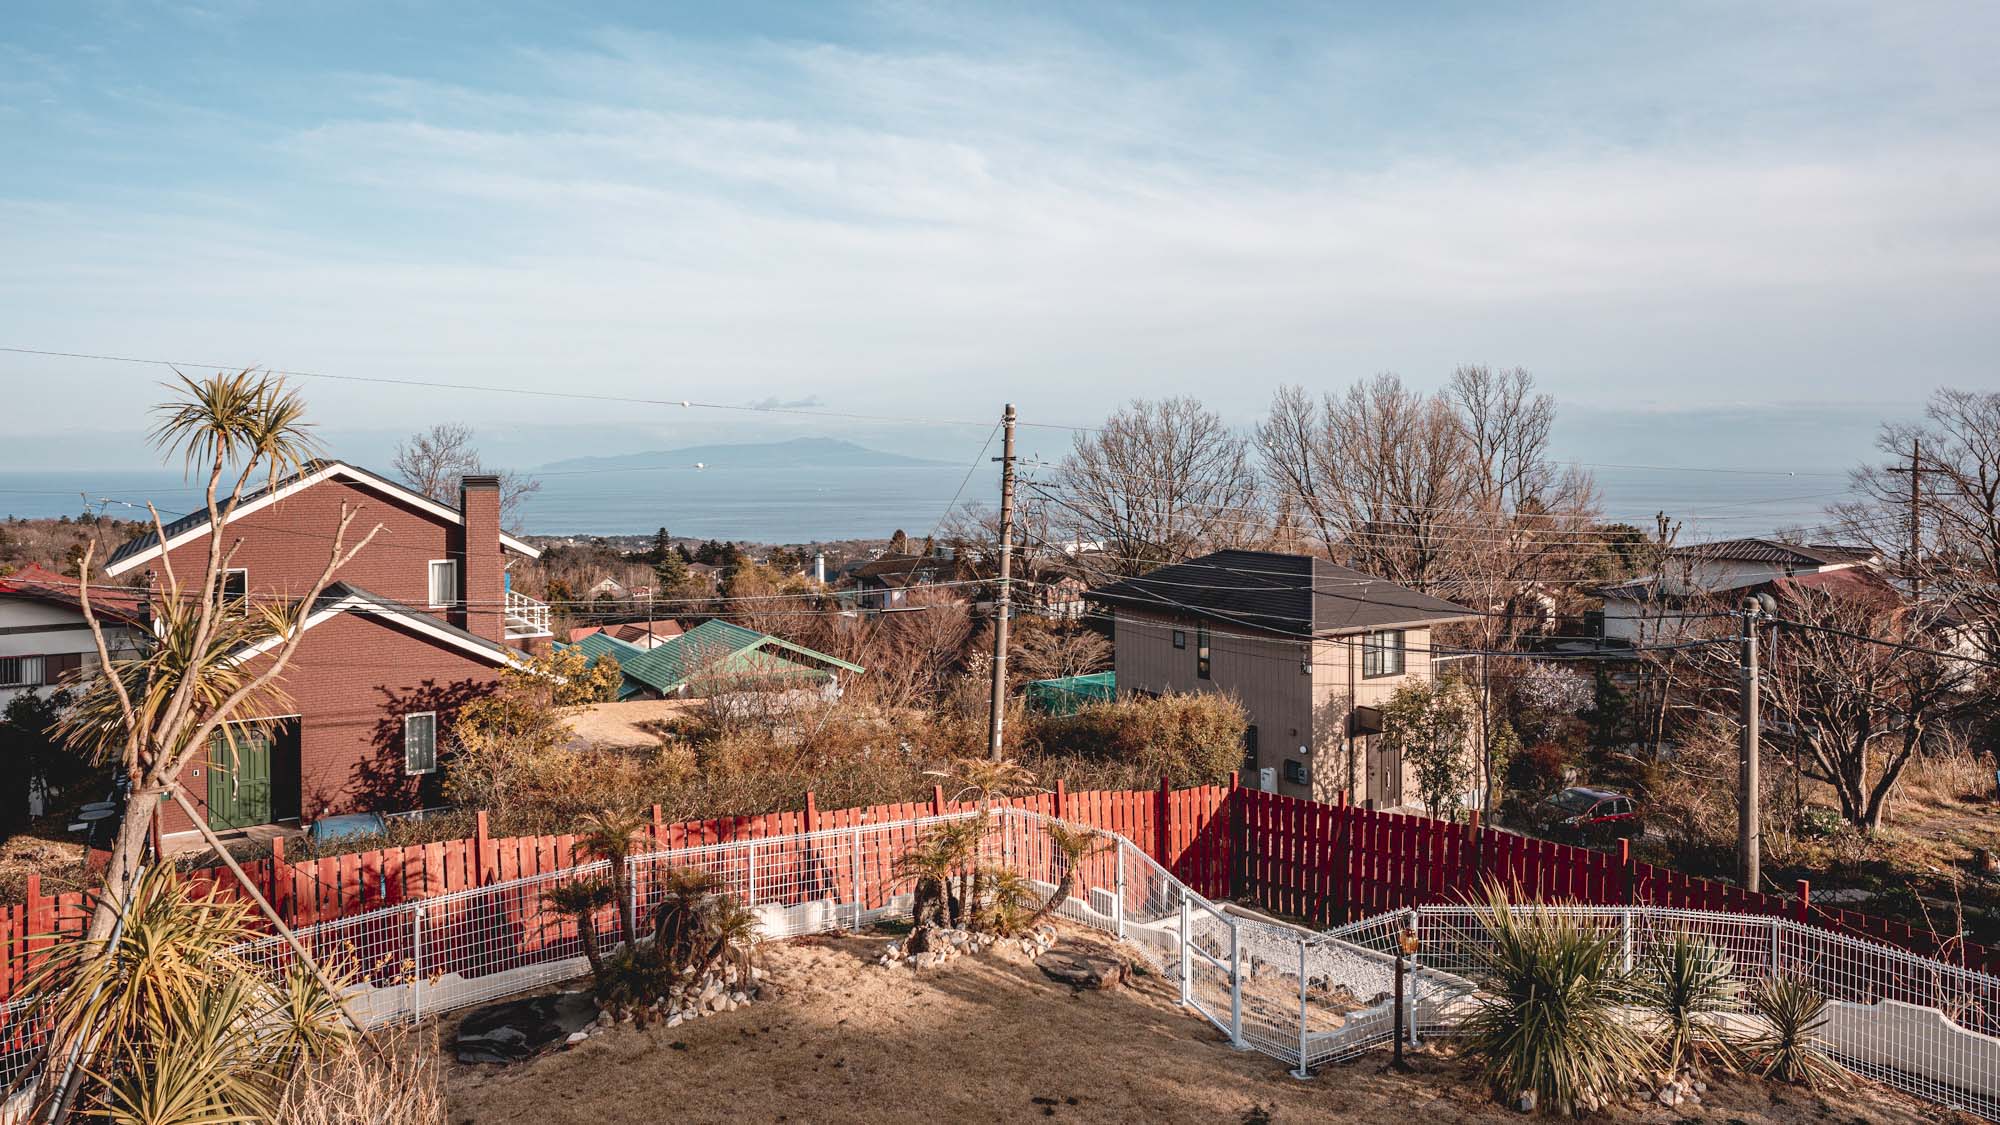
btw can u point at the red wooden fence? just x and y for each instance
(1337, 863)
(1180, 829)
(1326, 863)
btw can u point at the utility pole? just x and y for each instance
(1005, 608)
(1916, 471)
(1748, 830)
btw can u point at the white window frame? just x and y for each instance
(30, 674)
(1376, 648)
(432, 768)
(242, 570)
(430, 583)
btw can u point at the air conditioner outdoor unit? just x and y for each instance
(1267, 779)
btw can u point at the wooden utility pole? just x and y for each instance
(1916, 471)
(1005, 607)
(1748, 829)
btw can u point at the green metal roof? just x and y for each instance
(713, 648)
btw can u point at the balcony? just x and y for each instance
(524, 617)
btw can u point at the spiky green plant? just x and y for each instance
(1011, 904)
(1074, 846)
(609, 834)
(581, 899)
(1790, 1048)
(1550, 1013)
(169, 1024)
(1687, 983)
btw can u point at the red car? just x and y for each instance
(1591, 814)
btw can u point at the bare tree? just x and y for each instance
(1956, 454)
(434, 462)
(152, 713)
(1161, 481)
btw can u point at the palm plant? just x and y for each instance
(581, 899)
(1550, 1015)
(930, 865)
(1687, 984)
(1074, 846)
(1011, 902)
(1790, 1049)
(169, 1024)
(608, 835)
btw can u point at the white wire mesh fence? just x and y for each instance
(1306, 998)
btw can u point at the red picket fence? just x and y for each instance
(1179, 828)
(1337, 863)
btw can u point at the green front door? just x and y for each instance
(239, 779)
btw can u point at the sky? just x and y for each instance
(1723, 233)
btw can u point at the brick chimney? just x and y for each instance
(479, 500)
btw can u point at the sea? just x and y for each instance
(764, 505)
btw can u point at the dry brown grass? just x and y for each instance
(989, 1038)
(400, 1084)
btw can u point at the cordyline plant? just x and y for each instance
(150, 715)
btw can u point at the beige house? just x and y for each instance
(1310, 648)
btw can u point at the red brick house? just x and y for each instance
(422, 620)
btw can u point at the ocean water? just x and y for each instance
(789, 505)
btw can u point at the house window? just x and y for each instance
(20, 671)
(58, 665)
(420, 754)
(1180, 638)
(1250, 748)
(1201, 666)
(444, 582)
(1382, 653)
(1295, 772)
(235, 585)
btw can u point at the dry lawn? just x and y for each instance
(617, 725)
(989, 1038)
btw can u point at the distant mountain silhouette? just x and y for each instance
(798, 453)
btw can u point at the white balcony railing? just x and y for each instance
(526, 617)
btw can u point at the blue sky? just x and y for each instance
(1761, 225)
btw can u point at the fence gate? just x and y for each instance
(1210, 956)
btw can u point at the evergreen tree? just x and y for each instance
(663, 545)
(670, 574)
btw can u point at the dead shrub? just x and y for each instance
(400, 1084)
(1194, 739)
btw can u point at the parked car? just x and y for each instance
(1589, 815)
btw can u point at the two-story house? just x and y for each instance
(1657, 608)
(421, 621)
(1311, 649)
(45, 642)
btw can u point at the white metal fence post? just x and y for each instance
(1302, 1071)
(1625, 938)
(1187, 949)
(750, 876)
(1236, 985)
(1118, 900)
(858, 896)
(1410, 1000)
(417, 960)
(632, 898)
(1777, 936)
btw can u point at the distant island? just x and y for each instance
(798, 453)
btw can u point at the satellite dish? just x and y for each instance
(96, 814)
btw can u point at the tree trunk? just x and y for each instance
(128, 850)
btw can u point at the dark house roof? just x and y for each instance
(913, 570)
(312, 473)
(345, 597)
(1775, 551)
(1297, 595)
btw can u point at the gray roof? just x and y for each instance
(1297, 595)
(337, 592)
(1775, 551)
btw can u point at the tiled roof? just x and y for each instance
(1299, 595)
(1775, 551)
(41, 584)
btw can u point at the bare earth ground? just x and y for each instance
(989, 1038)
(617, 724)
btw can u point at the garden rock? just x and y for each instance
(1084, 968)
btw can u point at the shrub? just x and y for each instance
(1550, 1015)
(399, 1084)
(1790, 1049)
(1538, 768)
(1687, 983)
(1194, 739)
